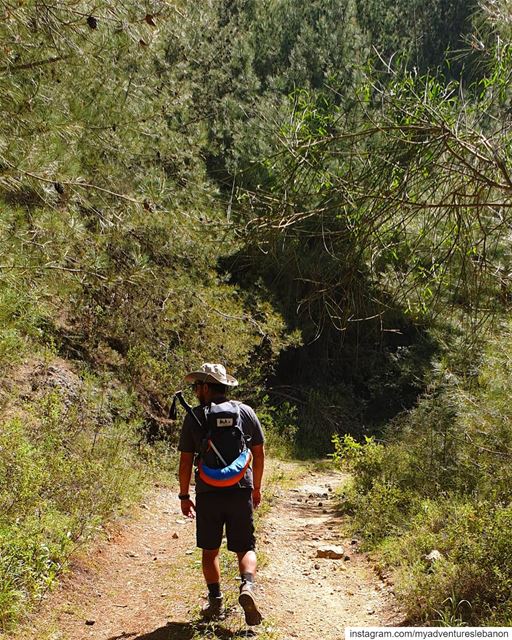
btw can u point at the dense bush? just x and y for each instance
(280, 427)
(441, 480)
(69, 457)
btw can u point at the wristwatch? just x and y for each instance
(184, 496)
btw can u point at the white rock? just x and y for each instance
(333, 552)
(433, 556)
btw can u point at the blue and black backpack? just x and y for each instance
(224, 457)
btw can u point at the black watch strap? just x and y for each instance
(184, 496)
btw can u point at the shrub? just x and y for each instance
(442, 481)
(64, 466)
(471, 581)
(366, 459)
(280, 428)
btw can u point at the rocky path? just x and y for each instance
(143, 582)
(313, 597)
(136, 584)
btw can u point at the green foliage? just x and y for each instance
(442, 482)
(300, 45)
(23, 314)
(373, 221)
(365, 460)
(470, 582)
(377, 502)
(280, 427)
(63, 468)
(421, 32)
(111, 232)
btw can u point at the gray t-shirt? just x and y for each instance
(191, 437)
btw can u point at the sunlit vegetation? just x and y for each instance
(315, 194)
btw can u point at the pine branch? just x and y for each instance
(82, 185)
(31, 65)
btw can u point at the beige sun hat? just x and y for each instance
(215, 373)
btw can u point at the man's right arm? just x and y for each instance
(185, 473)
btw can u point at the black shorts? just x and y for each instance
(232, 508)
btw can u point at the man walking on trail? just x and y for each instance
(227, 489)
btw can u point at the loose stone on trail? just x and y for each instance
(333, 552)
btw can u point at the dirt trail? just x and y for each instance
(311, 597)
(144, 582)
(129, 586)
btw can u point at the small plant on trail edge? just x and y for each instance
(364, 459)
(451, 615)
(280, 426)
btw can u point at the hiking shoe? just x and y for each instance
(248, 604)
(213, 609)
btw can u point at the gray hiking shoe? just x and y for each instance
(248, 604)
(213, 609)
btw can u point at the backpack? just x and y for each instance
(224, 457)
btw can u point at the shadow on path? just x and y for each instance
(187, 631)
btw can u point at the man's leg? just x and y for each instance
(240, 534)
(211, 567)
(247, 566)
(211, 571)
(247, 562)
(209, 525)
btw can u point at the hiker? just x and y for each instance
(227, 446)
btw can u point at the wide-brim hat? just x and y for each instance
(214, 373)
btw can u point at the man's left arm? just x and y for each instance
(258, 465)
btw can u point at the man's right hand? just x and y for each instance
(188, 509)
(256, 498)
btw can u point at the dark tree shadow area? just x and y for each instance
(362, 360)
